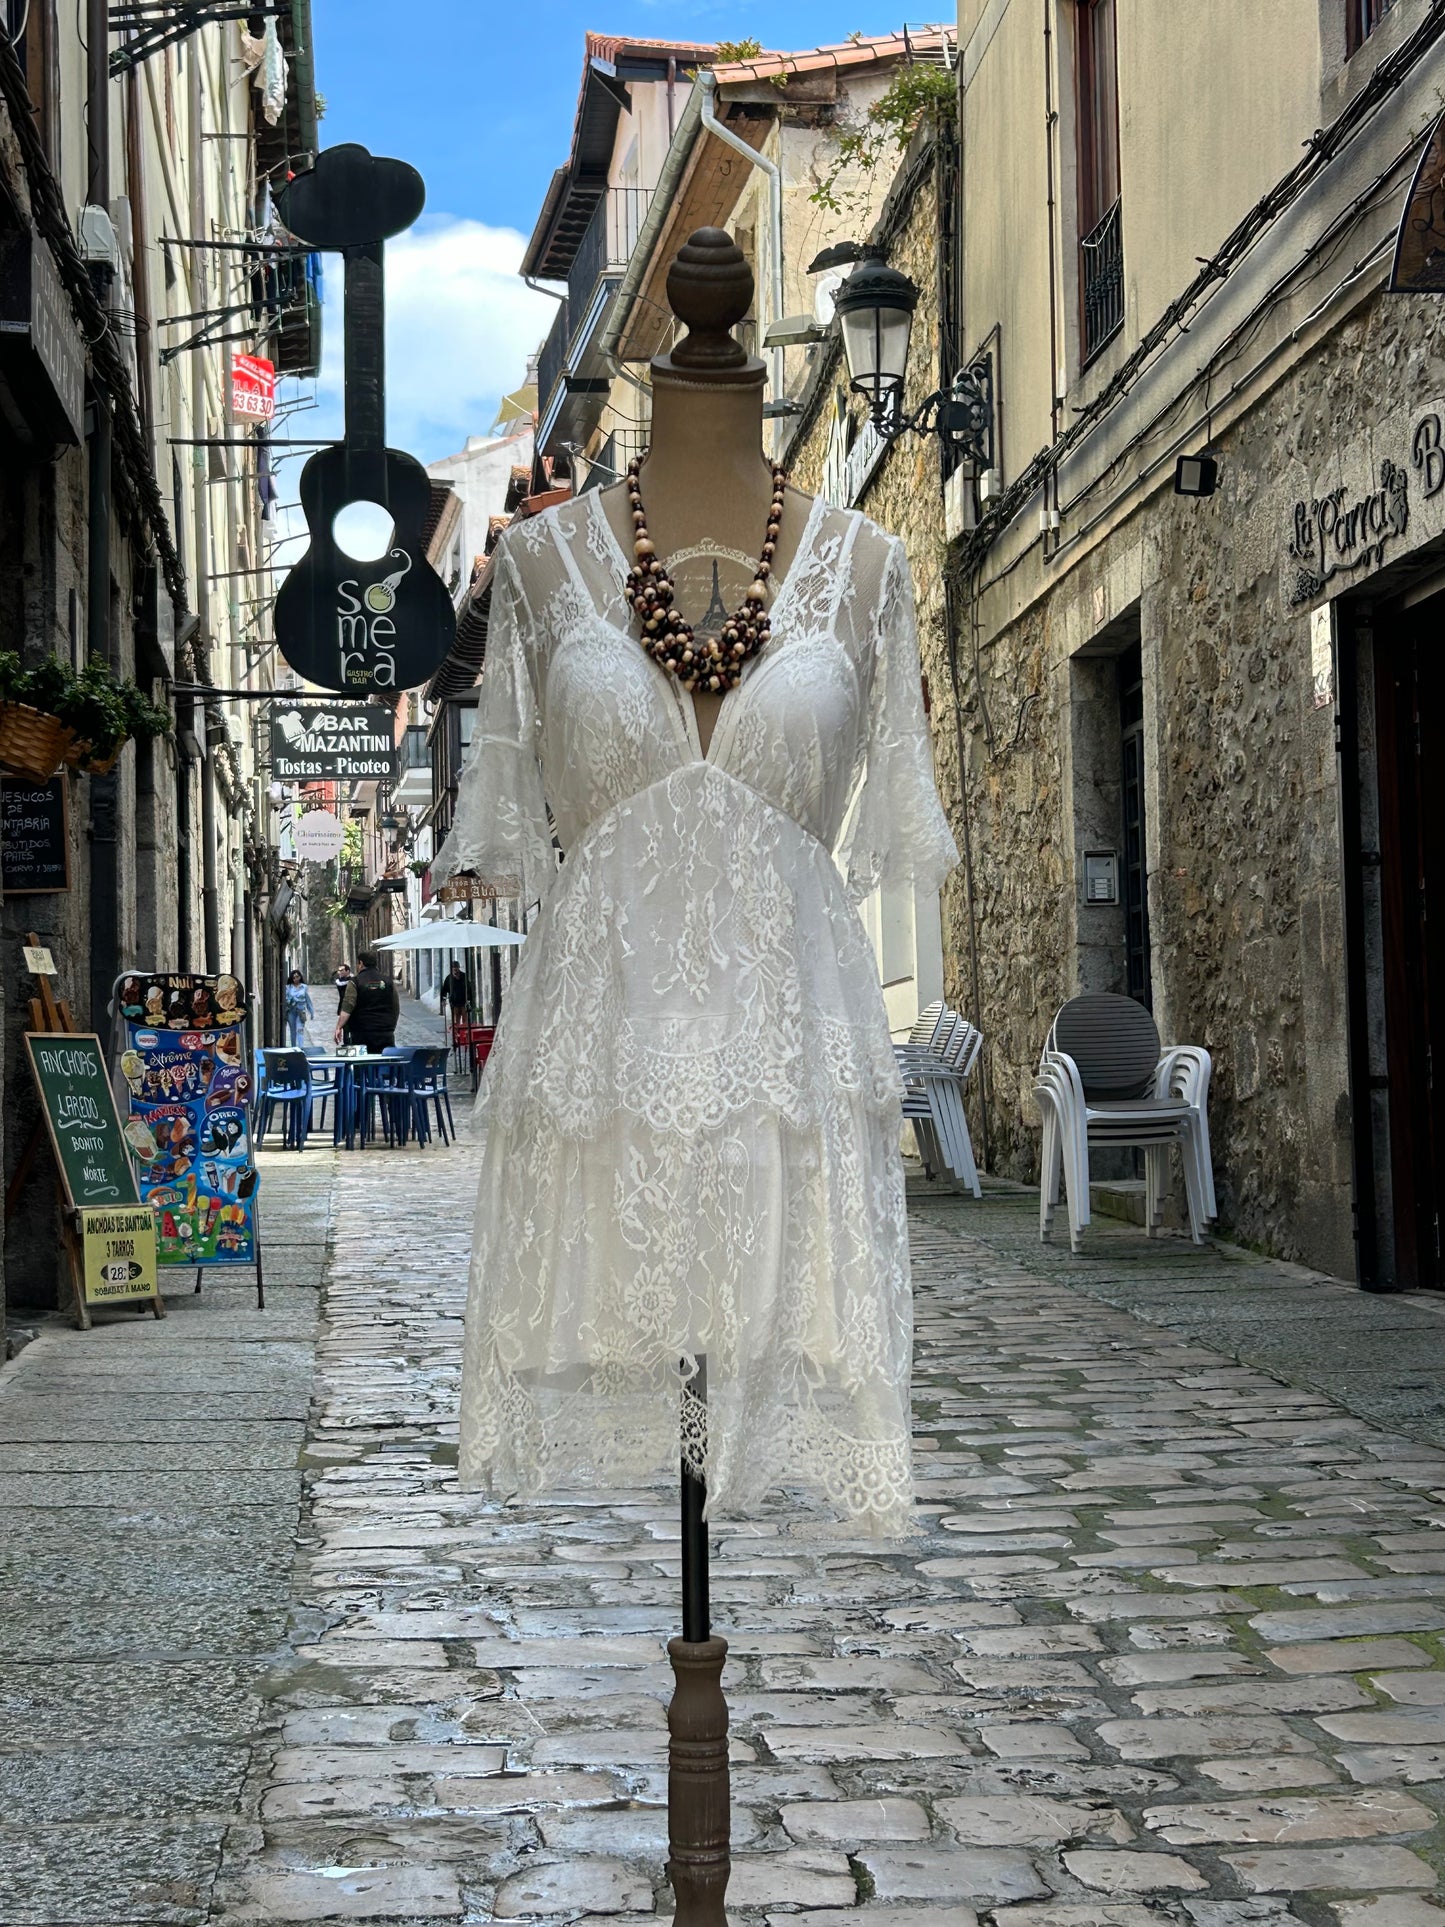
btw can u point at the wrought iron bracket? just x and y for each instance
(961, 414)
(154, 25)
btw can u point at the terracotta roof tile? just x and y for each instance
(607, 46)
(848, 53)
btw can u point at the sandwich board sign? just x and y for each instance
(109, 1234)
(118, 1253)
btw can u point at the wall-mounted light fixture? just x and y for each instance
(875, 308)
(1196, 475)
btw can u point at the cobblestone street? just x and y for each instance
(1168, 1646)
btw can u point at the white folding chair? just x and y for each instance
(934, 1076)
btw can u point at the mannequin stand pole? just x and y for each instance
(698, 1798)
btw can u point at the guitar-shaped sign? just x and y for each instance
(344, 623)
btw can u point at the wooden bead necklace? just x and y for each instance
(699, 662)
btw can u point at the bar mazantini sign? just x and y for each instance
(331, 742)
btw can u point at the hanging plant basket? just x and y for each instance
(32, 743)
(82, 756)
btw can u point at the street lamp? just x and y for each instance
(875, 308)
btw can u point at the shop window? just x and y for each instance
(1101, 253)
(1361, 19)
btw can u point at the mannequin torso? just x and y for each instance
(706, 485)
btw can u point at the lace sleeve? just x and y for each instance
(500, 828)
(896, 830)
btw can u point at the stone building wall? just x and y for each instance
(1243, 796)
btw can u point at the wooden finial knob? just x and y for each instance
(709, 289)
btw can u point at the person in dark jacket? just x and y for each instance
(341, 980)
(370, 1007)
(456, 992)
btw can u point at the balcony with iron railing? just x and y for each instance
(603, 252)
(609, 464)
(553, 358)
(607, 245)
(1101, 282)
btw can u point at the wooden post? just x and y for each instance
(699, 1799)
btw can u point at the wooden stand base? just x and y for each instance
(699, 1814)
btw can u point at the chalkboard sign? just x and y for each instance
(34, 838)
(80, 1114)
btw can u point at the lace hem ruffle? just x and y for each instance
(687, 1092)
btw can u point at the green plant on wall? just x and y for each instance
(729, 53)
(101, 708)
(916, 94)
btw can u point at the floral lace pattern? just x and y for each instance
(692, 1107)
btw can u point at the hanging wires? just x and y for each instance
(1321, 148)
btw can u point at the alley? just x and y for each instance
(1167, 1647)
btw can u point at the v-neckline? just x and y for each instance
(685, 707)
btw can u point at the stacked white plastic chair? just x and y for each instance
(1104, 1079)
(936, 1062)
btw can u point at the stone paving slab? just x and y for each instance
(150, 1486)
(1168, 1649)
(1108, 1685)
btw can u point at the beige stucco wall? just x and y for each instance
(1216, 103)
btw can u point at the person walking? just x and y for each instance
(341, 980)
(370, 1007)
(456, 992)
(298, 1008)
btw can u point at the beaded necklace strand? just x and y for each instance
(706, 662)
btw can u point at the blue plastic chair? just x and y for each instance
(324, 1090)
(376, 1087)
(426, 1083)
(288, 1087)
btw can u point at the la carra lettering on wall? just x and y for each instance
(1347, 531)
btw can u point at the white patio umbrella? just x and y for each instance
(451, 933)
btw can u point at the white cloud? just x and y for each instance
(460, 324)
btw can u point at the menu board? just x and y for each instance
(187, 1070)
(34, 838)
(81, 1117)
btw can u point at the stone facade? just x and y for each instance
(171, 857)
(1246, 880)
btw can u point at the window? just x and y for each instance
(29, 25)
(1361, 19)
(1101, 258)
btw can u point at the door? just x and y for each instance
(1134, 881)
(1410, 708)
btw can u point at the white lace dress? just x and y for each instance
(692, 1108)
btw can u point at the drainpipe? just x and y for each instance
(101, 644)
(674, 165)
(707, 81)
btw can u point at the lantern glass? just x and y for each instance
(875, 342)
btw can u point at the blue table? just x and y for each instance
(346, 1113)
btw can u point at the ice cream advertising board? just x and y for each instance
(186, 1066)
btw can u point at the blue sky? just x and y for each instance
(479, 96)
